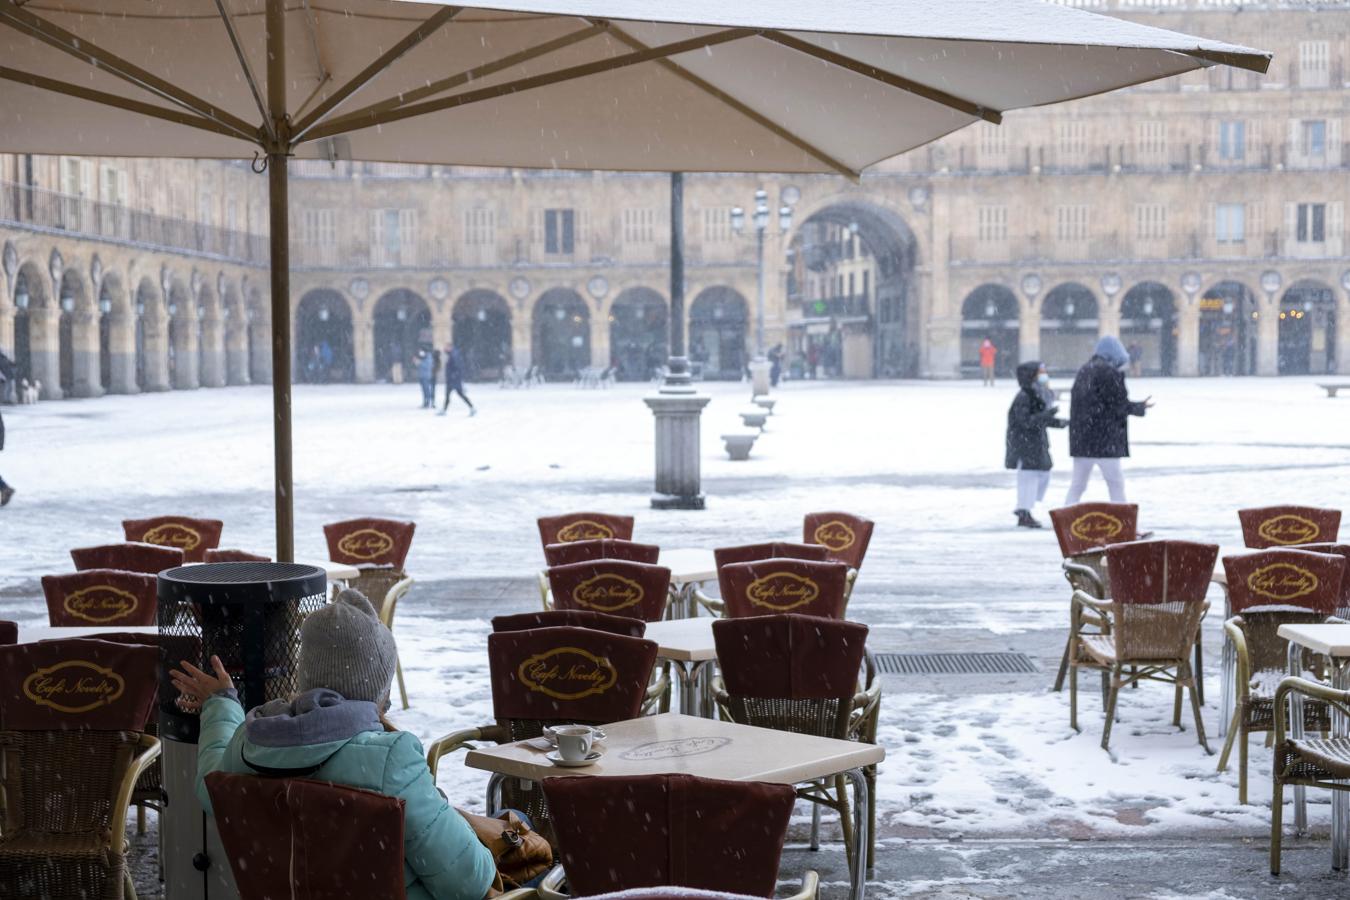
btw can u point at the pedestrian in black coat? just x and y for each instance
(454, 379)
(1099, 419)
(1033, 411)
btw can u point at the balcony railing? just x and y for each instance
(1036, 248)
(26, 205)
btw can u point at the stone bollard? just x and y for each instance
(754, 418)
(738, 443)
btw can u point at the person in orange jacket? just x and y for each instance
(988, 355)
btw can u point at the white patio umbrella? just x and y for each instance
(694, 85)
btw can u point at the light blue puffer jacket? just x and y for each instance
(442, 857)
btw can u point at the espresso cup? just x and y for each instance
(574, 741)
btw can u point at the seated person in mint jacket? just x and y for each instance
(334, 731)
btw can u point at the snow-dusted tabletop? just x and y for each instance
(687, 640)
(689, 565)
(1328, 640)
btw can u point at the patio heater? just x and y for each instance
(248, 614)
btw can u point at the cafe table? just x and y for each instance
(689, 568)
(1332, 642)
(707, 748)
(688, 645)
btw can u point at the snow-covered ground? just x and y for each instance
(923, 459)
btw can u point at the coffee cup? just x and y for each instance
(574, 741)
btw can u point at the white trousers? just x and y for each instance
(1031, 485)
(1082, 469)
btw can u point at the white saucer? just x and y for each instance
(557, 760)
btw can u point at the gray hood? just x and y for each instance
(315, 719)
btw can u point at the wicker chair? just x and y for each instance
(129, 557)
(70, 766)
(576, 618)
(1157, 601)
(220, 556)
(1310, 762)
(1261, 606)
(384, 588)
(1343, 551)
(773, 586)
(100, 597)
(528, 695)
(672, 831)
(743, 553)
(1287, 526)
(583, 526)
(845, 538)
(364, 542)
(292, 837)
(1083, 531)
(801, 674)
(615, 586)
(193, 536)
(601, 548)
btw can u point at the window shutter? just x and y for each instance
(1333, 142)
(1291, 220)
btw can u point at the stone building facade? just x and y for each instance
(1200, 218)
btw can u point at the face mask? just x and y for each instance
(1043, 378)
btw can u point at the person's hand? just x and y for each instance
(195, 686)
(1148, 402)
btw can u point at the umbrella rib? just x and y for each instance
(744, 109)
(423, 31)
(468, 75)
(101, 97)
(867, 70)
(248, 72)
(93, 55)
(355, 121)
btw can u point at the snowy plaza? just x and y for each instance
(972, 761)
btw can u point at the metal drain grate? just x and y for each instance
(955, 664)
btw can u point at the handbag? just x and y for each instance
(520, 853)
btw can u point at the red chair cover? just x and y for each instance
(621, 832)
(292, 837)
(1160, 571)
(578, 618)
(614, 586)
(1086, 526)
(584, 526)
(193, 536)
(219, 556)
(1284, 577)
(1287, 526)
(790, 657)
(369, 542)
(100, 597)
(574, 674)
(77, 683)
(9, 632)
(129, 557)
(725, 556)
(845, 535)
(601, 548)
(1343, 551)
(772, 586)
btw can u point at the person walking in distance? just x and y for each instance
(454, 379)
(1099, 420)
(6, 492)
(988, 356)
(1033, 411)
(426, 373)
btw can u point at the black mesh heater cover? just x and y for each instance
(247, 613)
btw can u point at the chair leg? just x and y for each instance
(1073, 697)
(815, 825)
(845, 819)
(402, 691)
(1111, 708)
(1064, 664)
(140, 818)
(1176, 706)
(871, 775)
(1243, 749)
(1228, 740)
(1276, 824)
(128, 887)
(1200, 722)
(1200, 666)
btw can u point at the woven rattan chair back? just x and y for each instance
(1158, 589)
(584, 526)
(370, 542)
(670, 830)
(774, 586)
(375, 584)
(1083, 526)
(100, 598)
(577, 618)
(129, 557)
(1267, 652)
(292, 837)
(218, 556)
(1287, 526)
(614, 586)
(725, 556)
(1343, 551)
(601, 548)
(1284, 578)
(844, 535)
(191, 535)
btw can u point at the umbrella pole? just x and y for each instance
(279, 233)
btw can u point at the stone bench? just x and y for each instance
(766, 404)
(1331, 389)
(738, 443)
(754, 418)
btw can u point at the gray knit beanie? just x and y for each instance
(345, 648)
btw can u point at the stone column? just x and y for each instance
(1188, 337)
(599, 325)
(522, 337)
(678, 468)
(213, 351)
(1108, 315)
(185, 352)
(363, 348)
(7, 323)
(260, 332)
(1268, 337)
(156, 349)
(1342, 334)
(84, 339)
(236, 349)
(1029, 330)
(44, 341)
(122, 353)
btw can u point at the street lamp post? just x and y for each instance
(759, 366)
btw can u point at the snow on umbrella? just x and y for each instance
(702, 85)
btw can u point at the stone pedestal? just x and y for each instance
(678, 472)
(759, 376)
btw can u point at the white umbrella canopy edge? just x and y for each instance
(760, 85)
